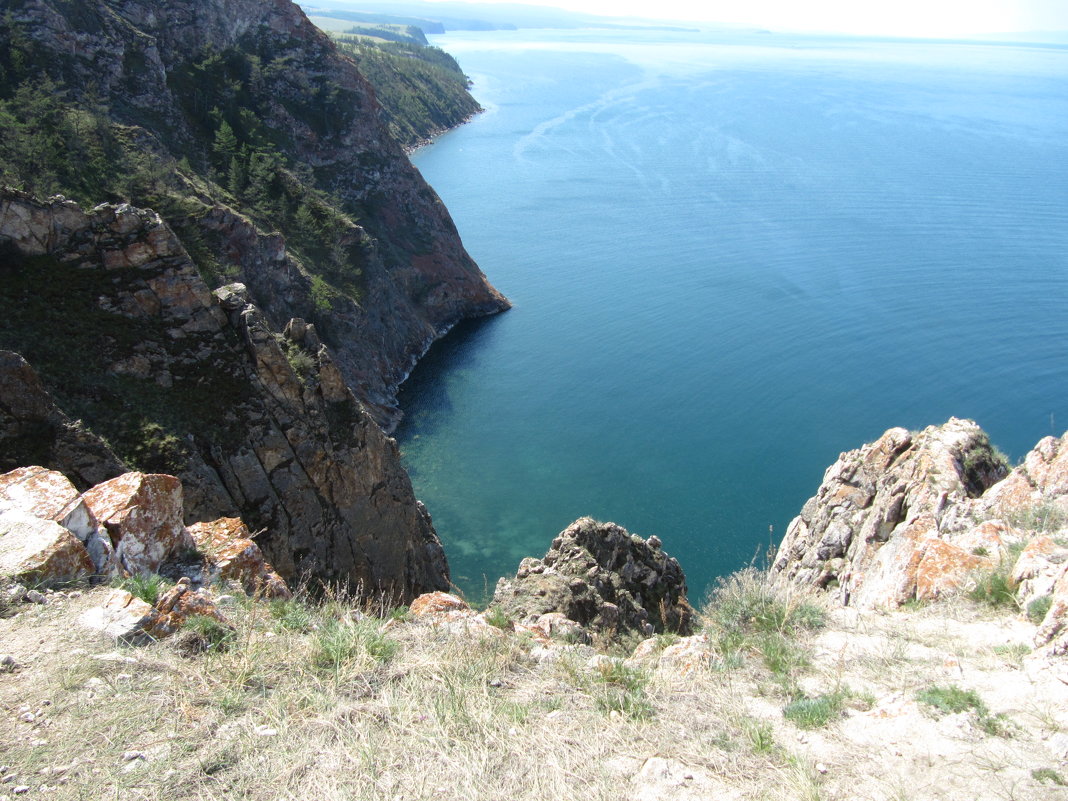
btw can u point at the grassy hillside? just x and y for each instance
(775, 699)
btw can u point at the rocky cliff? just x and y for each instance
(107, 305)
(917, 516)
(239, 117)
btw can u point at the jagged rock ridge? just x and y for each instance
(110, 308)
(600, 575)
(923, 515)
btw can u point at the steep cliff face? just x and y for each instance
(382, 273)
(127, 336)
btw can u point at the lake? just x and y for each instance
(732, 257)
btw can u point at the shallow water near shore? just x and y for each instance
(731, 259)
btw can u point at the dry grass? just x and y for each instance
(328, 702)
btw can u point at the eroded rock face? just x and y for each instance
(293, 454)
(600, 575)
(874, 534)
(416, 278)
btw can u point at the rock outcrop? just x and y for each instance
(401, 273)
(601, 576)
(52, 535)
(126, 334)
(873, 531)
(918, 516)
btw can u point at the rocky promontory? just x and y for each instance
(922, 515)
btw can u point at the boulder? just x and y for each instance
(122, 617)
(143, 515)
(433, 604)
(229, 553)
(128, 619)
(41, 551)
(177, 605)
(685, 656)
(49, 495)
(600, 575)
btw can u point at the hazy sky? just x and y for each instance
(888, 17)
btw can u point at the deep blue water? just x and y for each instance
(730, 261)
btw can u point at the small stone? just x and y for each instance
(34, 597)
(821, 768)
(265, 731)
(21, 789)
(130, 756)
(7, 662)
(74, 594)
(8, 779)
(123, 676)
(27, 717)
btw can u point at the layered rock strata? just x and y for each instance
(600, 575)
(255, 424)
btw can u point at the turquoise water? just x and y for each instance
(730, 261)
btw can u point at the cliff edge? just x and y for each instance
(258, 423)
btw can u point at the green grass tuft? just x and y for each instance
(950, 699)
(1048, 775)
(1037, 609)
(814, 713)
(146, 586)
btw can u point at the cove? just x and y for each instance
(732, 258)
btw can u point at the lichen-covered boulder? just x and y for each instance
(143, 515)
(40, 551)
(602, 576)
(50, 495)
(180, 603)
(229, 553)
(131, 620)
(439, 603)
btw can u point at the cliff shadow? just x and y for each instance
(425, 396)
